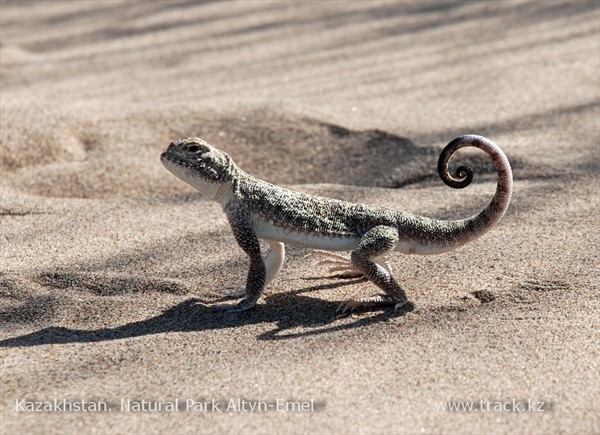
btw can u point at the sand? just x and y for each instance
(109, 264)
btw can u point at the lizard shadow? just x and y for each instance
(286, 310)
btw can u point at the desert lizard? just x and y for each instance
(257, 210)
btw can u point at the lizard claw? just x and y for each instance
(234, 294)
(343, 264)
(339, 263)
(404, 306)
(373, 301)
(241, 306)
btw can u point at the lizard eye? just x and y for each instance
(193, 148)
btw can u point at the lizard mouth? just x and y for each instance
(185, 168)
(167, 157)
(175, 164)
(170, 157)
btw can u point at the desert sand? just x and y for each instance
(109, 264)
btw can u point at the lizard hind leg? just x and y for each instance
(374, 244)
(343, 264)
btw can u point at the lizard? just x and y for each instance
(257, 210)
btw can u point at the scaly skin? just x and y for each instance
(258, 210)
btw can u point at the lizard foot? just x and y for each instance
(375, 301)
(243, 305)
(372, 301)
(339, 263)
(234, 294)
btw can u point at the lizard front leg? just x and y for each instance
(273, 262)
(375, 243)
(257, 273)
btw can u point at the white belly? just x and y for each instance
(266, 230)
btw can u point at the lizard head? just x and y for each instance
(199, 164)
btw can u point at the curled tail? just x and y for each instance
(457, 233)
(497, 207)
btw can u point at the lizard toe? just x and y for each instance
(243, 305)
(404, 307)
(368, 302)
(234, 294)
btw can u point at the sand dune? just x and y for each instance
(109, 264)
